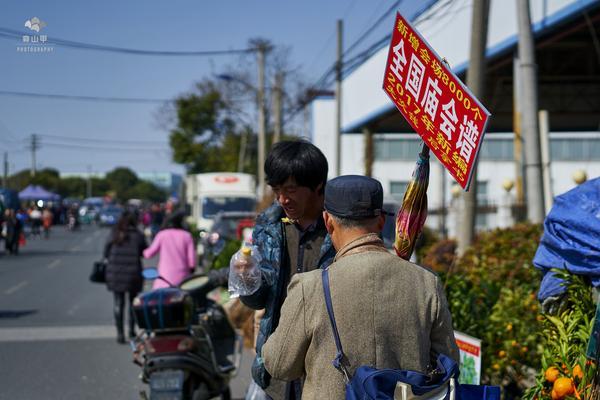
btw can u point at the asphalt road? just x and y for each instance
(57, 336)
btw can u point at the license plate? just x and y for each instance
(166, 385)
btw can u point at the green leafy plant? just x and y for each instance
(491, 292)
(223, 258)
(564, 341)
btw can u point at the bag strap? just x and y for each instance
(338, 360)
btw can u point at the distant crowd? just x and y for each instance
(35, 220)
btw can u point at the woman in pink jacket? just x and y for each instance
(177, 257)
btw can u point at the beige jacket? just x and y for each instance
(390, 313)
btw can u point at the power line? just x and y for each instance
(120, 100)
(113, 141)
(85, 98)
(372, 27)
(14, 34)
(324, 80)
(69, 146)
(327, 78)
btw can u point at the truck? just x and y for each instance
(210, 193)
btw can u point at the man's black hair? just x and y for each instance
(297, 159)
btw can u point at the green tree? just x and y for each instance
(72, 187)
(121, 180)
(147, 191)
(202, 129)
(48, 178)
(100, 186)
(19, 180)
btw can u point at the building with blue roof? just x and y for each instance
(567, 42)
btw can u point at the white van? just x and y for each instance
(210, 193)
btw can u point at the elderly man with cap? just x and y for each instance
(390, 313)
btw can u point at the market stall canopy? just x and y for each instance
(571, 238)
(35, 192)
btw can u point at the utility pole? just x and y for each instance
(529, 115)
(89, 181)
(475, 82)
(242, 153)
(34, 147)
(443, 213)
(277, 106)
(369, 153)
(544, 120)
(518, 139)
(5, 176)
(338, 100)
(262, 47)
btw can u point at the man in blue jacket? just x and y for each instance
(291, 238)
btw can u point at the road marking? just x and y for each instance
(54, 264)
(48, 333)
(16, 287)
(76, 248)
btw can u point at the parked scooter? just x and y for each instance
(187, 347)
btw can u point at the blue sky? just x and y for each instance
(307, 27)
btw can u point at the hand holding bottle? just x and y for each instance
(244, 273)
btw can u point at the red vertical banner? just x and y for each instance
(438, 106)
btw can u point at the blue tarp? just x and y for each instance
(571, 238)
(35, 192)
(10, 198)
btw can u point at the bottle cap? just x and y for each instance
(246, 251)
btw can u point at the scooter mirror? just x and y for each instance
(150, 273)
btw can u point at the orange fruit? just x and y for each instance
(551, 374)
(501, 354)
(555, 396)
(577, 372)
(563, 387)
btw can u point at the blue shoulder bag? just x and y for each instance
(370, 383)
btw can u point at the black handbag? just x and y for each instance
(98, 274)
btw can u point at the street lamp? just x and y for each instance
(579, 176)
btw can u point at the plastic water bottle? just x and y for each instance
(244, 273)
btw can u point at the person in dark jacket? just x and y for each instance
(291, 238)
(123, 251)
(13, 227)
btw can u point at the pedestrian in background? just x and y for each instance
(157, 218)
(35, 217)
(12, 231)
(124, 250)
(47, 218)
(177, 257)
